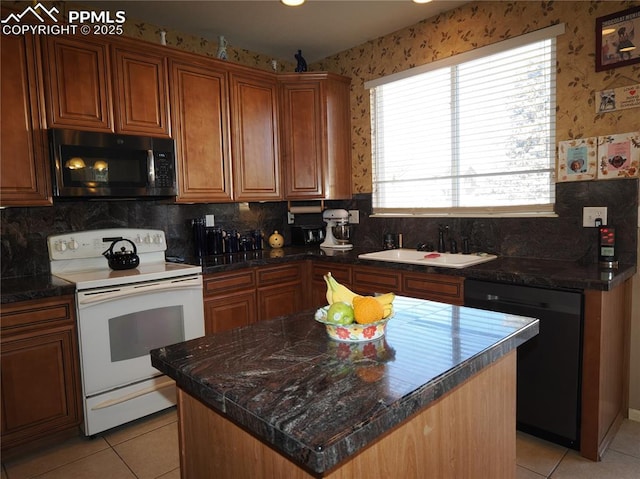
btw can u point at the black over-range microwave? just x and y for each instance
(93, 164)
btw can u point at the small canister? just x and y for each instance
(276, 240)
(390, 241)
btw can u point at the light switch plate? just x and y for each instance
(591, 213)
(354, 217)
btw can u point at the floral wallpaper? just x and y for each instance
(149, 32)
(479, 24)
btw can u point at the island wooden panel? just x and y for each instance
(469, 432)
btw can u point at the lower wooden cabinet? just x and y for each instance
(281, 289)
(41, 392)
(229, 300)
(229, 311)
(435, 287)
(370, 280)
(242, 297)
(239, 298)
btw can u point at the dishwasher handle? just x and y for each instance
(494, 298)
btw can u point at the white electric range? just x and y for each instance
(122, 315)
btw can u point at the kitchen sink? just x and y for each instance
(429, 258)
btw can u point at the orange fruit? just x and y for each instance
(367, 310)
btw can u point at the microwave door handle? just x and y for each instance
(119, 293)
(151, 168)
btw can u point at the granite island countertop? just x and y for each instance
(318, 401)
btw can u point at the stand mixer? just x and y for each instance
(338, 229)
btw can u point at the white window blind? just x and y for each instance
(475, 136)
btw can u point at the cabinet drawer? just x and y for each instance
(368, 280)
(218, 283)
(437, 287)
(341, 272)
(37, 312)
(280, 274)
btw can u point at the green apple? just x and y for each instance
(340, 313)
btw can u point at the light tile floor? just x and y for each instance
(148, 449)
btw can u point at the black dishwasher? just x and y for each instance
(550, 364)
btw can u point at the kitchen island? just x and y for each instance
(435, 397)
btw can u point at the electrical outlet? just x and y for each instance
(291, 218)
(210, 220)
(591, 213)
(354, 217)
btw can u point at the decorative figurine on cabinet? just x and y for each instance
(302, 63)
(222, 48)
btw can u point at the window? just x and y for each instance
(473, 134)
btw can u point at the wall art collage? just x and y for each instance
(599, 158)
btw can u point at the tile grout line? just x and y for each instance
(564, 456)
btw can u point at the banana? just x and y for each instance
(385, 299)
(329, 290)
(338, 292)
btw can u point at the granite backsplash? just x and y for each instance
(24, 230)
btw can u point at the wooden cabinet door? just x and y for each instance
(24, 163)
(200, 118)
(281, 289)
(254, 137)
(280, 300)
(316, 135)
(302, 121)
(229, 311)
(40, 370)
(78, 92)
(141, 93)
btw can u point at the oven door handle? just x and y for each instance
(93, 298)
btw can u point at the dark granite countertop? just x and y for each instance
(319, 401)
(532, 272)
(529, 271)
(34, 287)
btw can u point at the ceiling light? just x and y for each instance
(292, 3)
(421, 1)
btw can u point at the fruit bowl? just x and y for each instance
(354, 332)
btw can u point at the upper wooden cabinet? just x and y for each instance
(315, 135)
(114, 86)
(78, 83)
(200, 111)
(254, 136)
(23, 146)
(141, 92)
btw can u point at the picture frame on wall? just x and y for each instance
(577, 160)
(619, 156)
(618, 39)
